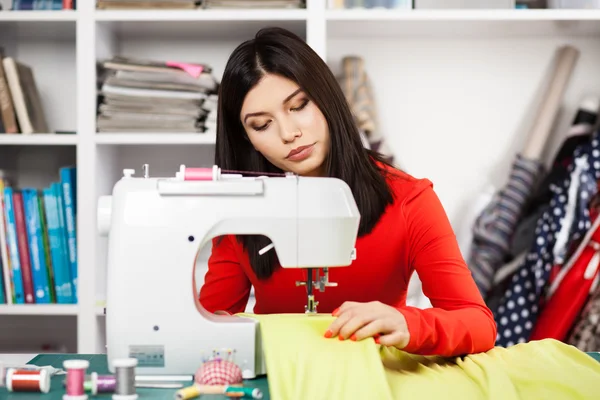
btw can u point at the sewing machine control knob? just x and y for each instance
(128, 172)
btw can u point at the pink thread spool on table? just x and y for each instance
(75, 379)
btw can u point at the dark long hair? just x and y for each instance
(280, 52)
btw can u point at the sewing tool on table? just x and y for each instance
(19, 380)
(98, 384)
(75, 377)
(125, 371)
(157, 225)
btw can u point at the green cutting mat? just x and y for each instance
(99, 364)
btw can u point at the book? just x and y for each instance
(25, 96)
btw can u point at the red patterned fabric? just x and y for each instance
(565, 304)
(218, 372)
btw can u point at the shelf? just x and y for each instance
(202, 15)
(38, 140)
(158, 138)
(204, 25)
(461, 23)
(38, 309)
(36, 16)
(462, 15)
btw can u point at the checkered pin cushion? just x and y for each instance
(218, 372)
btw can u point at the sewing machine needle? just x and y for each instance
(310, 305)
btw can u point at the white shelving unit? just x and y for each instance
(455, 92)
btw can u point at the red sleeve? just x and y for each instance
(459, 322)
(226, 285)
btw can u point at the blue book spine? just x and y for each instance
(62, 277)
(2, 295)
(13, 248)
(26, 5)
(67, 181)
(36, 246)
(57, 190)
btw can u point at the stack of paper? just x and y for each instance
(147, 4)
(150, 96)
(254, 3)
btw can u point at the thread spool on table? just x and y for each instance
(27, 381)
(125, 373)
(75, 378)
(102, 383)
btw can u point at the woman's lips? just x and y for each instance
(301, 153)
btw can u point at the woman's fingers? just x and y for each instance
(372, 329)
(351, 317)
(396, 338)
(347, 305)
(335, 329)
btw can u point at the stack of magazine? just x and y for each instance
(254, 4)
(145, 96)
(147, 4)
(192, 4)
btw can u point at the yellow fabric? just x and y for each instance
(302, 364)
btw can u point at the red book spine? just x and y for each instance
(23, 244)
(67, 4)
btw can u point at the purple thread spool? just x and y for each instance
(103, 383)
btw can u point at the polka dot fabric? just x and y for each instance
(565, 220)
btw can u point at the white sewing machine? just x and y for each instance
(157, 226)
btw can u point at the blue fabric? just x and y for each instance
(518, 308)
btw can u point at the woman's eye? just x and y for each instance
(260, 128)
(301, 106)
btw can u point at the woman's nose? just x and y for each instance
(290, 132)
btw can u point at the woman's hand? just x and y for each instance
(358, 321)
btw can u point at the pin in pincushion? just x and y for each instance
(218, 372)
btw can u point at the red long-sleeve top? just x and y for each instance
(414, 234)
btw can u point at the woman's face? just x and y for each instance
(285, 126)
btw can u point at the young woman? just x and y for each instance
(281, 109)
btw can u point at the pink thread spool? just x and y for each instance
(75, 379)
(199, 174)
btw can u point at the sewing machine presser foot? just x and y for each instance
(321, 282)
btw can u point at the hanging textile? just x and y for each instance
(570, 290)
(493, 230)
(585, 334)
(565, 220)
(357, 90)
(496, 224)
(303, 364)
